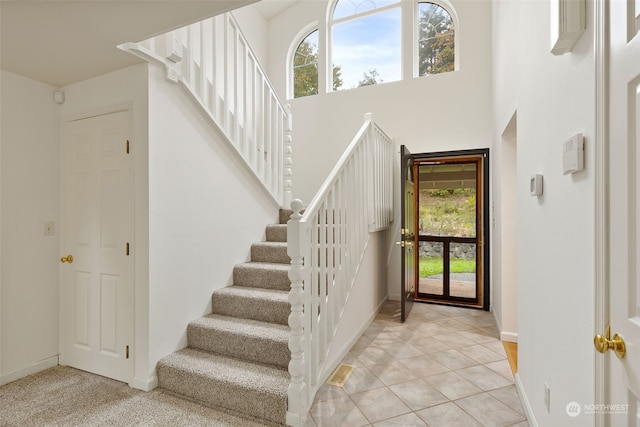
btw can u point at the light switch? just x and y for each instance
(535, 185)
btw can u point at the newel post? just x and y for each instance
(288, 158)
(298, 393)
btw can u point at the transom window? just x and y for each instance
(366, 41)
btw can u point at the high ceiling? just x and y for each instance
(63, 42)
(270, 8)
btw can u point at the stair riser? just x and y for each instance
(215, 393)
(276, 233)
(285, 215)
(261, 278)
(274, 254)
(242, 347)
(249, 308)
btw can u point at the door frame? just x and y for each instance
(485, 304)
(407, 240)
(601, 155)
(127, 107)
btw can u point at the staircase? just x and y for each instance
(237, 357)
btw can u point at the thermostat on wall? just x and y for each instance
(535, 185)
(573, 154)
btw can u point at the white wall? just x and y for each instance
(509, 228)
(504, 296)
(29, 197)
(554, 99)
(128, 86)
(205, 210)
(254, 28)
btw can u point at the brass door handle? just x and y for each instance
(68, 258)
(402, 243)
(604, 343)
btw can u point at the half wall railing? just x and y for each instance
(326, 245)
(213, 62)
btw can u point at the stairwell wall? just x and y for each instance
(205, 211)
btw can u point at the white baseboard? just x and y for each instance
(509, 336)
(36, 367)
(525, 402)
(504, 335)
(144, 383)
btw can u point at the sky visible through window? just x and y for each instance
(371, 42)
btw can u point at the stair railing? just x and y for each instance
(326, 245)
(214, 63)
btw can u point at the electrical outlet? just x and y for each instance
(547, 397)
(49, 228)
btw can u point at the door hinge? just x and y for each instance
(127, 146)
(127, 250)
(127, 352)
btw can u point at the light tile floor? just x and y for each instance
(443, 367)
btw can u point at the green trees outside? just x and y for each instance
(370, 78)
(305, 70)
(436, 41)
(436, 53)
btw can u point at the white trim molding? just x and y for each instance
(568, 22)
(29, 370)
(528, 411)
(144, 383)
(601, 244)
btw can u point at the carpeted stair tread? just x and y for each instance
(266, 275)
(251, 340)
(266, 305)
(276, 233)
(274, 252)
(248, 388)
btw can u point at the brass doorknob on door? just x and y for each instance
(604, 344)
(68, 258)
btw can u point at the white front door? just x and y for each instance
(96, 230)
(623, 375)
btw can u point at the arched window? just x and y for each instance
(366, 41)
(366, 44)
(436, 40)
(305, 66)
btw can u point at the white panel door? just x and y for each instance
(97, 226)
(623, 375)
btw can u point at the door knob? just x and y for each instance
(604, 344)
(68, 258)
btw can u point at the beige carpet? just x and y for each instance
(64, 396)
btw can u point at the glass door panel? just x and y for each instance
(462, 270)
(431, 268)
